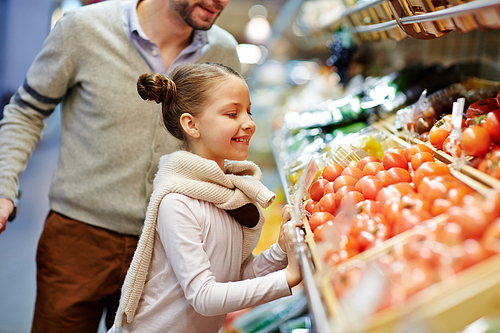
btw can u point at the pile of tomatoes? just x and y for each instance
(375, 199)
(480, 134)
(427, 257)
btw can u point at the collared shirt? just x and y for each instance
(150, 51)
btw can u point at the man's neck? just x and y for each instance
(163, 25)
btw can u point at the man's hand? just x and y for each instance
(6, 208)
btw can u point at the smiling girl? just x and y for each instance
(194, 261)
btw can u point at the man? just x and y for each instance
(111, 142)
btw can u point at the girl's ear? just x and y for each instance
(188, 123)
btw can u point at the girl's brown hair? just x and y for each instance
(187, 89)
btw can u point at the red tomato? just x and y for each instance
(319, 232)
(418, 148)
(492, 125)
(332, 171)
(353, 171)
(310, 204)
(370, 187)
(481, 107)
(439, 132)
(491, 237)
(476, 141)
(392, 160)
(421, 157)
(319, 218)
(383, 176)
(427, 169)
(328, 188)
(396, 150)
(398, 175)
(367, 206)
(361, 164)
(327, 203)
(371, 168)
(342, 192)
(449, 234)
(472, 219)
(317, 189)
(472, 252)
(344, 180)
(491, 162)
(359, 184)
(351, 199)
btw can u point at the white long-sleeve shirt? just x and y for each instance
(194, 277)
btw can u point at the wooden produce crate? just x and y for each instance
(446, 306)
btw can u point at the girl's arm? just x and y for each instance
(276, 258)
(181, 228)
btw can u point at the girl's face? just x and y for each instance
(224, 127)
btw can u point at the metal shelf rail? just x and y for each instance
(465, 8)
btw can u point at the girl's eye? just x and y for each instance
(249, 112)
(232, 114)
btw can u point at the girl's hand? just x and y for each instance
(292, 271)
(286, 216)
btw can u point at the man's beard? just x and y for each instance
(186, 12)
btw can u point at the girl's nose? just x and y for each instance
(248, 124)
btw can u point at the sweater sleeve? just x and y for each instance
(181, 228)
(21, 127)
(268, 261)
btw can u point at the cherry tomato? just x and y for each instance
(481, 107)
(361, 164)
(427, 169)
(353, 171)
(310, 204)
(319, 232)
(491, 237)
(421, 157)
(328, 188)
(370, 187)
(439, 132)
(383, 176)
(472, 252)
(392, 160)
(475, 141)
(491, 162)
(367, 206)
(449, 234)
(359, 184)
(396, 150)
(319, 218)
(344, 180)
(342, 192)
(351, 199)
(398, 175)
(417, 148)
(371, 168)
(472, 219)
(327, 203)
(317, 189)
(492, 125)
(332, 171)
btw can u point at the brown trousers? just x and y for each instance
(80, 272)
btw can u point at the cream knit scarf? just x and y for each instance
(199, 178)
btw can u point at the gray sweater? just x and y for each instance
(111, 139)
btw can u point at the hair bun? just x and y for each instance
(156, 87)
